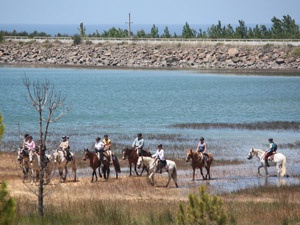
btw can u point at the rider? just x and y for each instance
(25, 140)
(30, 144)
(64, 145)
(138, 144)
(107, 142)
(269, 151)
(201, 148)
(160, 155)
(99, 149)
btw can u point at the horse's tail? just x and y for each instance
(283, 170)
(116, 164)
(174, 174)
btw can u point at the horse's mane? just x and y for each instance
(258, 150)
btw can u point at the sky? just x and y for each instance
(145, 12)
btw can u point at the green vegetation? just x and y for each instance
(202, 209)
(76, 39)
(7, 206)
(296, 52)
(285, 28)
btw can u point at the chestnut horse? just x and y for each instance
(133, 157)
(95, 163)
(198, 163)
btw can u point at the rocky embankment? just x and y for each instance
(142, 56)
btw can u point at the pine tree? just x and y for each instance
(202, 209)
(7, 206)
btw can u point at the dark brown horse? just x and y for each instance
(95, 163)
(197, 162)
(133, 157)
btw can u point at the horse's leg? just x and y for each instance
(207, 172)
(130, 169)
(259, 170)
(93, 176)
(108, 171)
(201, 173)
(66, 173)
(193, 174)
(169, 174)
(99, 170)
(74, 169)
(266, 170)
(278, 170)
(151, 178)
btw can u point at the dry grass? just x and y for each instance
(132, 200)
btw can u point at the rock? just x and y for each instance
(279, 61)
(232, 52)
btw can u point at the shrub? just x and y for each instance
(202, 209)
(7, 206)
(296, 52)
(88, 42)
(1, 37)
(76, 39)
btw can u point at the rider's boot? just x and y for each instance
(266, 162)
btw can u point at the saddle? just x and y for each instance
(271, 157)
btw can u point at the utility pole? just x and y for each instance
(129, 24)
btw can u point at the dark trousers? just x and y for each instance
(161, 164)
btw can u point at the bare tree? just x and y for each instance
(47, 102)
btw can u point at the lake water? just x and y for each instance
(124, 102)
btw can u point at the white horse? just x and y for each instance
(23, 158)
(279, 161)
(62, 163)
(35, 162)
(170, 168)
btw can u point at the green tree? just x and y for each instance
(154, 32)
(277, 31)
(241, 30)
(215, 31)
(257, 32)
(166, 33)
(141, 33)
(202, 209)
(82, 30)
(76, 39)
(290, 28)
(7, 206)
(188, 32)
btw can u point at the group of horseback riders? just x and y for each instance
(102, 146)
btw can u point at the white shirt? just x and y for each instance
(99, 145)
(159, 154)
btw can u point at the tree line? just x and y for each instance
(285, 28)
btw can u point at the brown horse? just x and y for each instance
(95, 163)
(133, 157)
(197, 162)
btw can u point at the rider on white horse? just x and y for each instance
(65, 147)
(30, 144)
(160, 156)
(270, 151)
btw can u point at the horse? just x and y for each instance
(23, 158)
(35, 162)
(197, 162)
(170, 168)
(95, 163)
(279, 161)
(62, 163)
(132, 156)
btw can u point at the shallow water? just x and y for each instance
(124, 102)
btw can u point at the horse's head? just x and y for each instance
(188, 155)
(251, 153)
(20, 154)
(86, 154)
(124, 151)
(55, 155)
(139, 162)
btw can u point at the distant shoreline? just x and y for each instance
(243, 72)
